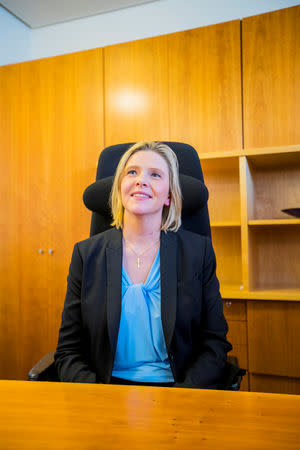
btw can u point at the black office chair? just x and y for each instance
(194, 218)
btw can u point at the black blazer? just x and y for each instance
(191, 310)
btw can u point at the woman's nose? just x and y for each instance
(141, 180)
(141, 183)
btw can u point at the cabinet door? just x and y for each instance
(205, 87)
(58, 125)
(271, 81)
(274, 338)
(279, 385)
(235, 314)
(10, 223)
(136, 91)
(75, 124)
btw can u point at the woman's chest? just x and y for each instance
(138, 267)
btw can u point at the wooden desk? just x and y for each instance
(40, 415)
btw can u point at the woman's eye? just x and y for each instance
(156, 175)
(131, 172)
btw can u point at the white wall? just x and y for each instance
(15, 39)
(152, 19)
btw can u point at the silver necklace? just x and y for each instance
(138, 255)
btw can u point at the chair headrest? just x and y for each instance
(194, 195)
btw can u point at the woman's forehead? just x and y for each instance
(147, 158)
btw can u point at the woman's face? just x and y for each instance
(145, 184)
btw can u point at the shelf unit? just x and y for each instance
(257, 246)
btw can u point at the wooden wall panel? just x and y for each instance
(235, 313)
(271, 78)
(278, 385)
(9, 218)
(77, 143)
(222, 180)
(274, 338)
(227, 246)
(59, 127)
(136, 91)
(274, 257)
(205, 87)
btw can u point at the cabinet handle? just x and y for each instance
(41, 251)
(228, 304)
(50, 251)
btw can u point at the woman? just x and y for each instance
(143, 303)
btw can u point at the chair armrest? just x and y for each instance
(232, 375)
(44, 370)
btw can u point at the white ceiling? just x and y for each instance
(39, 13)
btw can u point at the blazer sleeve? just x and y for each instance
(209, 340)
(69, 356)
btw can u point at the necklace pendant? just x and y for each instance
(138, 262)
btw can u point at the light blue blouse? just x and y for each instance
(141, 353)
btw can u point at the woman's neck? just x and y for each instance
(139, 229)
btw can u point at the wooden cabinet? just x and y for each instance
(181, 87)
(274, 338)
(258, 259)
(236, 316)
(136, 91)
(274, 346)
(279, 385)
(205, 106)
(52, 134)
(10, 222)
(271, 67)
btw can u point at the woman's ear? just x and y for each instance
(167, 202)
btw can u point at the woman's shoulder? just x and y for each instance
(191, 237)
(190, 243)
(109, 238)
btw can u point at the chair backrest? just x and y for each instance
(194, 213)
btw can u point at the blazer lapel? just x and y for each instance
(114, 286)
(168, 281)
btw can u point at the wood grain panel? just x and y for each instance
(271, 78)
(274, 338)
(275, 181)
(80, 416)
(246, 205)
(241, 352)
(205, 87)
(10, 222)
(278, 385)
(59, 127)
(235, 314)
(245, 383)
(235, 309)
(274, 257)
(78, 83)
(136, 91)
(237, 333)
(222, 180)
(227, 246)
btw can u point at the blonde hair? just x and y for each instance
(171, 215)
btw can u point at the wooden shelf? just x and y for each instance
(222, 180)
(227, 245)
(255, 242)
(274, 257)
(226, 223)
(237, 292)
(291, 149)
(267, 222)
(272, 185)
(232, 291)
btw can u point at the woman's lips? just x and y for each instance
(141, 195)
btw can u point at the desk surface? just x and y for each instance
(40, 415)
